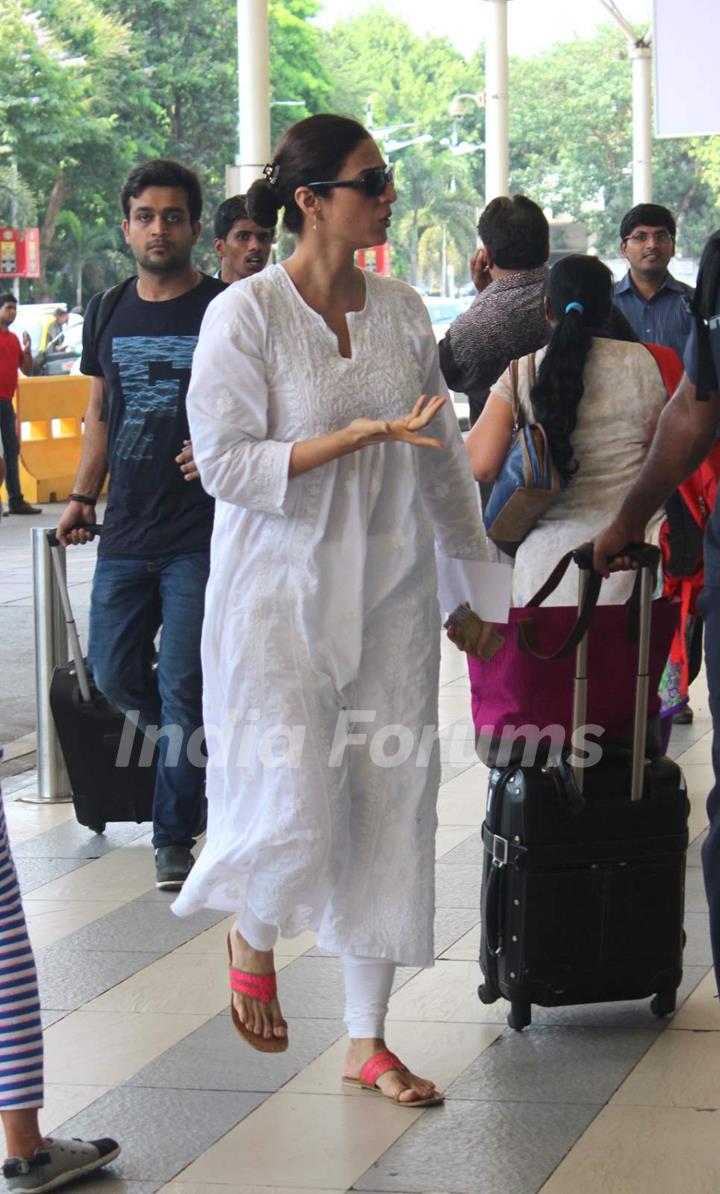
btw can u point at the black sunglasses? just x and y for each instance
(373, 181)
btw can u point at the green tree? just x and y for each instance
(573, 152)
(382, 70)
(83, 251)
(62, 64)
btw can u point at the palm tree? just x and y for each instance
(78, 246)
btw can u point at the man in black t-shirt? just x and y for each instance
(153, 558)
(685, 434)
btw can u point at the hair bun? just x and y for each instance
(263, 202)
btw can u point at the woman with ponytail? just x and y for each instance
(321, 641)
(598, 399)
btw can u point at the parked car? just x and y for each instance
(443, 311)
(62, 354)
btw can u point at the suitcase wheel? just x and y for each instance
(487, 993)
(663, 1004)
(97, 826)
(520, 1014)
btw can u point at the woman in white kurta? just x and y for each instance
(599, 399)
(321, 638)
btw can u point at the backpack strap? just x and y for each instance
(669, 364)
(102, 315)
(109, 300)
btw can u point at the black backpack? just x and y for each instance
(705, 306)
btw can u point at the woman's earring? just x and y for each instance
(315, 222)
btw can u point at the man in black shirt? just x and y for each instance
(153, 558)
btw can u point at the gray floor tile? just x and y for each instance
(312, 987)
(69, 977)
(71, 840)
(451, 770)
(480, 1148)
(468, 853)
(451, 924)
(36, 872)
(634, 1013)
(161, 1131)
(545, 1065)
(51, 1017)
(693, 855)
(697, 947)
(214, 1057)
(108, 1181)
(139, 925)
(695, 898)
(457, 886)
(683, 737)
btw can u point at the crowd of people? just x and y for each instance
(286, 480)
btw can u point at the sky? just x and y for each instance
(532, 24)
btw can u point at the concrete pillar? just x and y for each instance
(641, 56)
(497, 155)
(253, 96)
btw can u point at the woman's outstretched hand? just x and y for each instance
(364, 432)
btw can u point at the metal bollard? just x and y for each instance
(51, 650)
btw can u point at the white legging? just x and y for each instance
(368, 981)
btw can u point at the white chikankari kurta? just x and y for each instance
(322, 599)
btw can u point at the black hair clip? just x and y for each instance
(270, 172)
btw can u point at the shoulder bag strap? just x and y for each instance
(517, 410)
(527, 635)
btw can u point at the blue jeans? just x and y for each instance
(131, 599)
(709, 610)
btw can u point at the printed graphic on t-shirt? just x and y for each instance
(152, 371)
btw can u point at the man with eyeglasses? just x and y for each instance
(649, 297)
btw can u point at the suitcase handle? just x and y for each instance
(94, 527)
(74, 639)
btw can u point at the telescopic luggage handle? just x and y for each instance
(75, 648)
(647, 558)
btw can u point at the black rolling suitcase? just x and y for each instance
(584, 868)
(104, 788)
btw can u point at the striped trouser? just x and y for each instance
(21, 1046)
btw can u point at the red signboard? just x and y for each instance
(19, 253)
(376, 259)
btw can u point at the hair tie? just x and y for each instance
(574, 307)
(270, 172)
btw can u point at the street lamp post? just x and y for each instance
(641, 58)
(497, 155)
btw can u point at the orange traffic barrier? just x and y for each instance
(51, 411)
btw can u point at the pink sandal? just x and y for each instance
(378, 1065)
(254, 986)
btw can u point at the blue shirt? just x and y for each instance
(711, 549)
(663, 319)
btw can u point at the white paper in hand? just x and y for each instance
(487, 587)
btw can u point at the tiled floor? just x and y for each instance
(139, 1044)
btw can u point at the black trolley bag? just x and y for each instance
(92, 732)
(584, 868)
